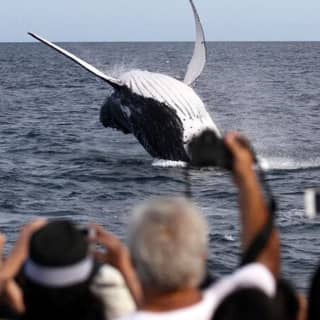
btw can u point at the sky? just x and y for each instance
(161, 20)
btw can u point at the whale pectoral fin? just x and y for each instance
(113, 82)
(199, 57)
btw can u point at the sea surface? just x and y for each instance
(57, 161)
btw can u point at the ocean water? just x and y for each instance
(57, 161)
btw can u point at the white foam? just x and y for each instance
(168, 163)
(267, 164)
(229, 237)
(284, 163)
(263, 163)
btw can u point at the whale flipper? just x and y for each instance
(199, 57)
(113, 82)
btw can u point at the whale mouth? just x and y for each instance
(207, 150)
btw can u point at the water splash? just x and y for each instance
(119, 69)
(168, 163)
(286, 163)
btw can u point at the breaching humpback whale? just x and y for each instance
(163, 113)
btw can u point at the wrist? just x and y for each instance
(245, 175)
(124, 258)
(3, 279)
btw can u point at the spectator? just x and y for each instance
(5, 309)
(10, 268)
(313, 298)
(58, 273)
(290, 305)
(168, 242)
(248, 304)
(60, 277)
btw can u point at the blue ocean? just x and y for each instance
(57, 160)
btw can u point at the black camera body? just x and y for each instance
(208, 149)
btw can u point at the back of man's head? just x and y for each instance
(248, 304)
(168, 240)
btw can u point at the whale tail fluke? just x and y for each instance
(115, 83)
(199, 57)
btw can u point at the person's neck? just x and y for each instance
(162, 302)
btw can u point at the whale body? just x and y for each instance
(163, 113)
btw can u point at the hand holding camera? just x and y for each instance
(243, 157)
(231, 153)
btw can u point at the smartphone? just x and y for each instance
(312, 202)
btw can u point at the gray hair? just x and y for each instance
(168, 240)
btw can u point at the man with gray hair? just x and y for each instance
(168, 242)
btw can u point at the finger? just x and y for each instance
(33, 226)
(2, 243)
(238, 143)
(37, 224)
(15, 297)
(3, 240)
(29, 229)
(99, 231)
(105, 238)
(232, 141)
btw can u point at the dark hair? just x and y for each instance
(74, 302)
(248, 304)
(286, 300)
(314, 297)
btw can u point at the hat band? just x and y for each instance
(59, 276)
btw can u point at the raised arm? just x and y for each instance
(117, 255)
(253, 206)
(12, 265)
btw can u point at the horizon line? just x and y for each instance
(156, 41)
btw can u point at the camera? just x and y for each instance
(208, 149)
(312, 202)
